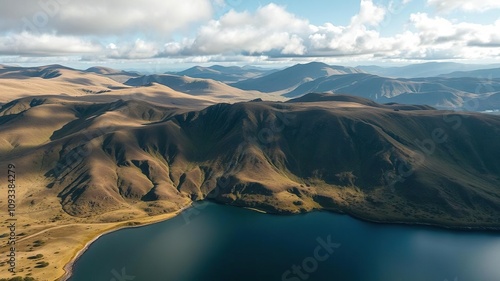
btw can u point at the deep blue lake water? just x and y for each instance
(212, 242)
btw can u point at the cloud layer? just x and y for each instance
(464, 5)
(128, 30)
(97, 17)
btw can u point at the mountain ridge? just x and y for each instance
(292, 77)
(226, 74)
(266, 155)
(480, 73)
(422, 70)
(436, 91)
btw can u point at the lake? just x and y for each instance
(217, 242)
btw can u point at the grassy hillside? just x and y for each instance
(381, 162)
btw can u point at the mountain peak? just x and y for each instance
(292, 77)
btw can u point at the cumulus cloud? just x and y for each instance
(139, 49)
(437, 30)
(270, 28)
(273, 31)
(29, 44)
(439, 38)
(97, 17)
(369, 14)
(464, 5)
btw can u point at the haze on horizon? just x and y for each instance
(156, 35)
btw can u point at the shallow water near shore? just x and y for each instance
(217, 242)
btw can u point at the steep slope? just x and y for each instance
(379, 162)
(436, 92)
(489, 103)
(354, 101)
(292, 77)
(480, 73)
(430, 69)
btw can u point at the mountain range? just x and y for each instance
(117, 75)
(106, 84)
(451, 91)
(194, 86)
(380, 162)
(226, 74)
(422, 70)
(481, 73)
(438, 92)
(292, 77)
(101, 149)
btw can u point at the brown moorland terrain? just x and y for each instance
(87, 164)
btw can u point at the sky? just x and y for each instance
(154, 35)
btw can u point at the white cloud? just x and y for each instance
(270, 28)
(273, 31)
(269, 33)
(369, 14)
(139, 49)
(464, 5)
(97, 17)
(439, 38)
(46, 45)
(438, 30)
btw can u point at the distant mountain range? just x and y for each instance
(437, 92)
(430, 69)
(194, 86)
(292, 77)
(226, 74)
(117, 75)
(44, 72)
(481, 73)
(472, 90)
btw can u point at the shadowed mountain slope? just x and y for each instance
(318, 152)
(226, 74)
(481, 73)
(430, 69)
(292, 77)
(437, 92)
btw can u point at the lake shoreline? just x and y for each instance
(374, 221)
(429, 225)
(68, 268)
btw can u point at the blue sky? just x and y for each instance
(341, 12)
(174, 34)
